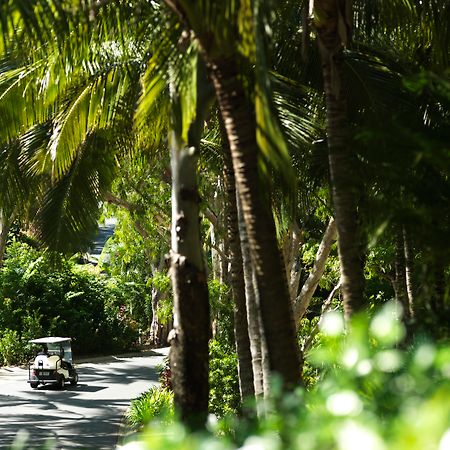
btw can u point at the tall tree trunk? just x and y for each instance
(6, 221)
(215, 258)
(241, 329)
(409, 269)
(400, 288)
(189, 339)
(276, 310)
(303, 300)
(291, 257)
(155, 326)
(158, 335)
(333, 23)
(215, 236)
(258, 347)
(4, 229)
(225, 276)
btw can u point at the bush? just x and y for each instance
(38, 298)
(372, 395)
(224, 397)
(12, 351)
(165, 374)
(155, 403)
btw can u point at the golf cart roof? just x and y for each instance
(50, 340)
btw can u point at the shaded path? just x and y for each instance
(103, 234)
(86, 416)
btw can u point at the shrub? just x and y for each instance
(165, 374)
(155, 403)
(224, 395)
(38, 298)
(372, 395)
(12, 350)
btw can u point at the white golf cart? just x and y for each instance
(53, 364)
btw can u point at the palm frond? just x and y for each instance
(13, 185)
(375, 86)
(19, 105)
(86, 107)
(271, 141)
(68, 216)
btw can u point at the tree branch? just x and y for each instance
(325, 307)
(308, 289)
(113, 199)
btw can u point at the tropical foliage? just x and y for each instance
(235, 142)
(38, 300)
(371, 394)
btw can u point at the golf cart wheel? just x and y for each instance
(61, 382)
(75, 379)
(34, 384)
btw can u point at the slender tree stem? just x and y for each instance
(241, 328)
(309, 287)
(189, 355)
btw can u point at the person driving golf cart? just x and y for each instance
(44, 350)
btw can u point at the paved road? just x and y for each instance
(103, 234)
(86, 416)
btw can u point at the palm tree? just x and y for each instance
(191, 333)
(56, 108)
(241, 325)
(333, 22)
(238, 114)
(396, 39)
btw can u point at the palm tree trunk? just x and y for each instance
(241, 329)
(155, 326)
(217, 233)
(333, 24)
(189, 353)
(6, 220)
(258, 348)
(215, 258)
(4, 229)
(158, 336)
(189, 338)
(276, 310)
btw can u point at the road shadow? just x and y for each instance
(50, 424)
(70, 388)
(72, 416)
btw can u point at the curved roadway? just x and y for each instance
(86, 416)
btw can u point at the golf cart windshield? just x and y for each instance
(56, 346)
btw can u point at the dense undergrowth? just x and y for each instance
(40, 296)
(373, 392)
